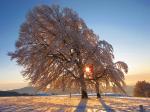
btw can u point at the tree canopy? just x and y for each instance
(55, 45)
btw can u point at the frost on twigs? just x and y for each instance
(55, 44)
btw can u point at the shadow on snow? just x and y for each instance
(106, 107)
(81, 106)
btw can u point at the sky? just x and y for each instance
(123, 23)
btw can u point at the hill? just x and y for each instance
(11, 93)
(26, 90)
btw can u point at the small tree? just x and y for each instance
(105, 70)
(142, 89)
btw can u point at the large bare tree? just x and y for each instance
(54, 47)
(54, 43)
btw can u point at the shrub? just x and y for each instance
(142, 89)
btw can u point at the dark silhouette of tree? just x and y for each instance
(142, 89)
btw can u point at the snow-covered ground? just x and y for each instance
(67, 104)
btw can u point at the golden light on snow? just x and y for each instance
(73, 104)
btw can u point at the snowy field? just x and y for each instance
(74, 104)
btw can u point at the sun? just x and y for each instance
(87, 69)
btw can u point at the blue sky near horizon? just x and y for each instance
(123, 23)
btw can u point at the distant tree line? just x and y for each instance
(142, 89)
(12, 93)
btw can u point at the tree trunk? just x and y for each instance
(97, 90)
(83, 88)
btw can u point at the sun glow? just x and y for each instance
(87, 69)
